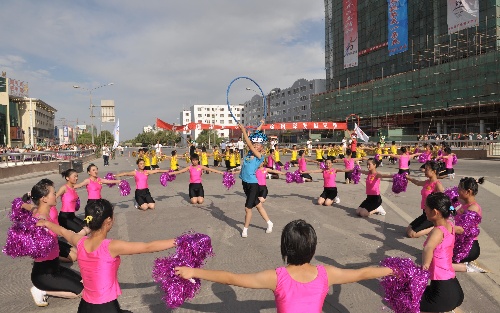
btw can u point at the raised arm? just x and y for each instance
(249, 142)
(262, 121)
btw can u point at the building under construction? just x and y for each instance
(443, 77)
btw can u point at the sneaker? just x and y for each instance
(269, 227)
(473, 267)
(336, 200)
(39, 296)
(244, 233)
(380, 211)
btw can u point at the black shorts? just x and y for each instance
(143, 196)
(371, 202)
(279, 163)
(319, 160)
(69, 221)
(108, 307)
(155, 166)
(147, 168)
(442, 296)
(252, 193)
(474, 252)
(402, 171)
(353, 154)
(329, 193)
(196, 190)
(421, 223)
(294, 162)
(216, 163)
(64, 248)
(306, 176)
(450, 171)
(205, 165)
(263, 191)
(348, 175)
(50, 276)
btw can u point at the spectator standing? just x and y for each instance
(105, 154)
(241, 146)
(158, 147)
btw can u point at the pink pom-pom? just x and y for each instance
(24, 238)
(322, 166)
(469, 221)
(287, 166)
(192, 250)
(454, 159)
(422, 158)
(452, 193)
(399, 183)
(377, 157)
(164, 179)
(124, 187)
(290, 178)
(110, 176)
(77, 204)
(356, 174)
(17, 213)
(228, 180)
(404, 289)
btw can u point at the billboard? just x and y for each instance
(18, 88)
(462, 14)
(350, 22)
(398, 26)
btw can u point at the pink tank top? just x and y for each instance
(55, 252)
(441, 267)
(195, 174)
(349, 163)
(294, 297)
(372, 185)
(302, 165)
(261, 176)
(403, 161)
(94, 189)
(141, 180)
(329, 178)
(449, 162)
(99, 273)
(465, 207)
(427, 189)
(68, 200)
(270, 161)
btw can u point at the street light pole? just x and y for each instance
(91, 107)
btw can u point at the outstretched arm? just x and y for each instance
(184, 170)
(83, 183)
(414, 181)
(211, 170)
(125, 174)
(69, 235)
(338, 276)
(119, 247)
(61, 191)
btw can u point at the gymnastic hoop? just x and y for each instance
(227, 97)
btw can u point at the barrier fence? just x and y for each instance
(10, 159)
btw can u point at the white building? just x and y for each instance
(211, 114)
(147, 129)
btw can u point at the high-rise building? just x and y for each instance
(443, 78)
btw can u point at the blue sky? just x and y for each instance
(160, 55)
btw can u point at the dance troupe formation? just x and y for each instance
(298, 287)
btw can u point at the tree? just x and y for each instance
(84, 139)
(104, 137)
(150, 138)
(203, 138)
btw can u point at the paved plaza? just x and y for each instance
(344, 240)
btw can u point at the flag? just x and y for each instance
(360, 134)
(163, 125)
(116, 134)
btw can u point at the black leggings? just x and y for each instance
(108, 307)
(69, 221)
(474, 252)
(442, 296)
(50, 276)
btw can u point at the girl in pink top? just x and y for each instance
(421, 226)
(143, 197)
(444, 293)
(302, 161)
(94, 183)
(349, 162)
(99, 257)
(47, 276)
(404, 160)
(196, 192)
(330, 193)
(467, 191)
(299, 286)
(67, 192)
(448, 161)
(373, 202)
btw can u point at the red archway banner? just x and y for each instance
(273, 126)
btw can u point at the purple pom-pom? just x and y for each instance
(228, 180)
(278, 167)
(290, 178)
(356, 174)
(377, 157)
(452, 193)
(297, 177)
(110, 176)
(287, 166)
(124, 187)
(454, 159)
(469, 221)
(416, 150)
(24, 238)
(440, 152)
(322, 166)
(171, 177)
(17, 213)
(77, 204)
(192, 250)
(404, 289)
(399, 183)
(164, 179)
(422, 158)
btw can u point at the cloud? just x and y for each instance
(161, 55)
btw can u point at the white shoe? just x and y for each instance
(336, 200)
(244, 233)
(269, 227)
(472, 267)
(39, 297)
(380, 211)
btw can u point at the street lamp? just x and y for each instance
(92, 106)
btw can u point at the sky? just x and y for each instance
(161, 56)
